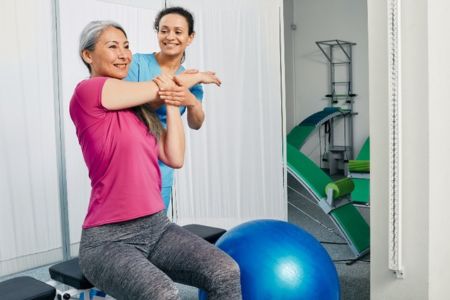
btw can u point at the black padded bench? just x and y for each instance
(208, 233)
(69, 273)
(26, 288)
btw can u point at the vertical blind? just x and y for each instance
(29, 197)
(234, 166)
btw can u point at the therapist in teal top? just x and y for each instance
(175, 31)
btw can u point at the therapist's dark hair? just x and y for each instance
(178, 11)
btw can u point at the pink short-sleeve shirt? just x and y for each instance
(121, 156)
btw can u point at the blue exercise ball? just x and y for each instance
(279, 260)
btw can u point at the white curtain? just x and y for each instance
(29, 196)
(234, 164)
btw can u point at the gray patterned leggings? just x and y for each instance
(141, 259)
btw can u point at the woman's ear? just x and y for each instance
(191, 38)
(87, 57)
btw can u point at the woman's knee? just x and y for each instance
(225, 283)
(226, 272)
(231, 268)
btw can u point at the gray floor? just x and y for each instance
(354, 279)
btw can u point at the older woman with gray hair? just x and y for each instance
(129, 248)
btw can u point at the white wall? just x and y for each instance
(324, 20)
(425, 207)
(439, 148)
(288, 11)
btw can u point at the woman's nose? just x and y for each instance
(121, 53)
(170, 35)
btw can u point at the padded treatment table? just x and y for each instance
(300, 134)
(26, 288)
(346, 217)
(69, 273)
(361, 193)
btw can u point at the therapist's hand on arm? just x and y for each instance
(180, 96)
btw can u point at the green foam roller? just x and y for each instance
(359, 166)
(341, 187)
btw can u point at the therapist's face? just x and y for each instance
(173, 35)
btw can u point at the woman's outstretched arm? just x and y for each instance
(172, 141)
(119, 94)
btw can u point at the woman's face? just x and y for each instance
(111, 57)
(173, 35)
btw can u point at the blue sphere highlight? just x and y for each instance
(279, 260)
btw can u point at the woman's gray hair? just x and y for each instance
(88, 39)
(90, 34)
